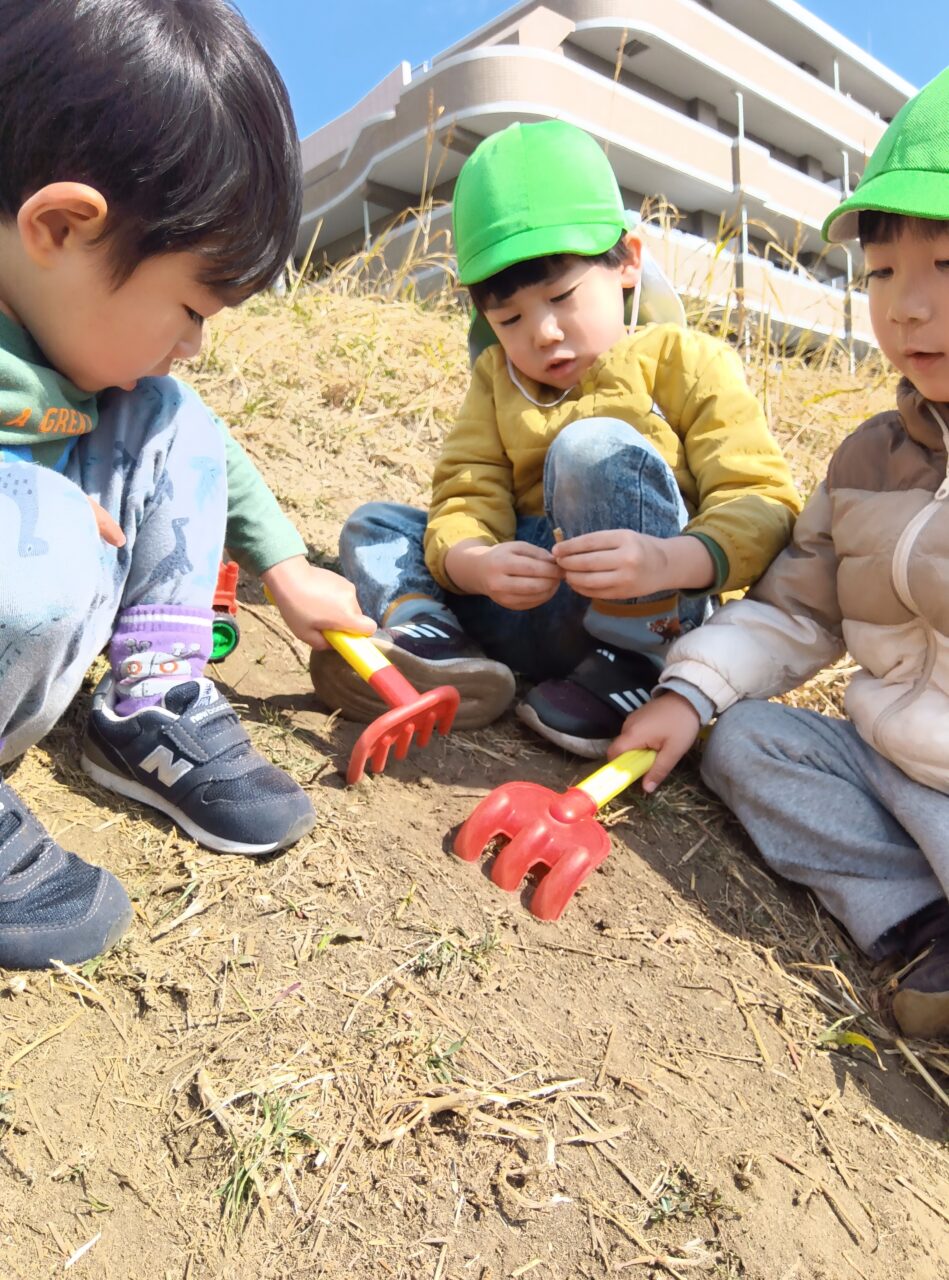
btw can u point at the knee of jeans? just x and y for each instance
(602, 450)
(593, 441)
(373, 522)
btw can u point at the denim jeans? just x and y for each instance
(598, 474)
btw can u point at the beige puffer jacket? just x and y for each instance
(867, 571)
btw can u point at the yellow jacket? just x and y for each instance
(683, 391)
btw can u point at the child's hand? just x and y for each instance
(109, 530)
(313, 600)
(618, 564)
(515, 575)
(667, 725)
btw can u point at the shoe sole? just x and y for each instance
(486, 687)
(589, 748)
(133, 790)
(922, 1015)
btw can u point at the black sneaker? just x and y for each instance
(191, 758)
(921, 1002)
(585, 711)
(53, 906)
(429, 651)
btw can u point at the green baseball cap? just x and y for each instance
(530, 190)
(908, 172)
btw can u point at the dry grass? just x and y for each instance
(362, 1059)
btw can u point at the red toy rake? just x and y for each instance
(548, 829)
(413, 714)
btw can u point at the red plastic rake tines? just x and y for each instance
(556, 832)
(413, 715)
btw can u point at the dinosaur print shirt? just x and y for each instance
(43, 414)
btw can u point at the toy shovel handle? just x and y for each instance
(374, 667)
(616, 776)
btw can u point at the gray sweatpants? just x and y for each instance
(829, 812)
(155, 462)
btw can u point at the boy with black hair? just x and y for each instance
(149, 175)
(855, 809)
(643, 450)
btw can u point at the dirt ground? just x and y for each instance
(364, 1059)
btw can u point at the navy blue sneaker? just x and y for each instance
(53, 906)
(429, 651)
(585, 711)
(190, 758)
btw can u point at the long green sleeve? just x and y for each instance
(258, 534)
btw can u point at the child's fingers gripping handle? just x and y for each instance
(616, 776)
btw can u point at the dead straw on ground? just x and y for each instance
(353, 1058)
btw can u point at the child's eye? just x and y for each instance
(880, 273)
(942, 263)
(562, 297)
(194, 317)
(508, 321)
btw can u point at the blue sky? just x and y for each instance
(330, 54)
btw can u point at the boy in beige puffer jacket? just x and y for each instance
(856, 809)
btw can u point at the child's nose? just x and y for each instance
(909, 304)
(189, 346)
(549, 330)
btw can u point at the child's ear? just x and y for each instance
(632, 269)
(60, 215)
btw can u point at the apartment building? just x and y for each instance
(748, 117)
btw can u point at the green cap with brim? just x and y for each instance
(531, 190)
(908, 172)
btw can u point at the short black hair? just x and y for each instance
(876, 227)
(170, 108)
(496, 290)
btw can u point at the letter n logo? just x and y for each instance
(169, 770)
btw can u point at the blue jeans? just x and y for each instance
(598, 474)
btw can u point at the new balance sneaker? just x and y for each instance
(190, 758)
(585, 711)
(429, 651)
(53, 906)
(921, 1002)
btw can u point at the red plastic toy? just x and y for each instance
(225, 633)
(554, 831)
(413, 714)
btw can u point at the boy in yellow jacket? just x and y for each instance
(600, 485)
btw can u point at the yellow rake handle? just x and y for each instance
(616, 776)
(359, 652)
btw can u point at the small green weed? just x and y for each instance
(445, 954)
(681, 1196)
(272, 1142)
(439, 1061)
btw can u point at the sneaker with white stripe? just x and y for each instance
(190, 758)
(430, 651)
(584, 712)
